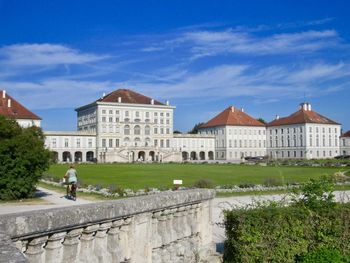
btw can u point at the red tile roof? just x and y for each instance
(234, 117)
(16, 111)
(302, 116)
(128, 96)
(347, 134)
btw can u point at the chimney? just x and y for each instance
(277, 117)
(242, 110)
(152, 101)
(304, 106)
(167, 103)
(4, 94)
(232, 109)
(9, 103)
(309, 107)
(119, 99)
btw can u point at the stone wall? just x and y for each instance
(167, 227)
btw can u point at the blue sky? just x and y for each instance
(264, 56)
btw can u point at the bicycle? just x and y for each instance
(72, 191)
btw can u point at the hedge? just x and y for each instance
(312, 228)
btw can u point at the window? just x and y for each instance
(168, 143)
(161, 143)
(103, 111)
(103, 119)
(167, 121)
(147, 114)
(78, 142)
(117, 112)
(161, 131)
(147, 130)
(155, 130)
(66, 142)
(168, 114)
(116, 119)
(110, 112)
(137, 114)
(103, 142)
(117, 143)
(110, 119)
(167, 131)
(137, 130)
(126, 130)
(110, 143)
(90, 143)
(155, 142)
(126, 113)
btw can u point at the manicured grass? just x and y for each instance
(137, 176)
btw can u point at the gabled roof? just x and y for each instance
(16, 109)
(347, 134)
(128, 96)
(300, 117)
(233, 117)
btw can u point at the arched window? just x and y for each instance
(126, 130)
(137, 130)
(147, 130)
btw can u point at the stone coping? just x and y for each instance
(41, 222)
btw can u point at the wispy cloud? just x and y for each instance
(44, 55)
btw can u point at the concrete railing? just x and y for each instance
(167, 227)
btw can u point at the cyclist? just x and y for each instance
(71, 180)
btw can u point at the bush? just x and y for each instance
(246, 185)
(278, 233)
(323, 255)
(23, 159)
(271, 182)
(203, 183)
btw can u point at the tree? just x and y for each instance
(176, 132)
(195, 128)
(262, 120)
(23, 159)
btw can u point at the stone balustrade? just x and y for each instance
(167, 227)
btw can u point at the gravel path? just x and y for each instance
(50, 199)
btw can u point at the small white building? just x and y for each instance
(237, 135)
(305, 134)
(195, 146)
(345, 143)
(72, 146)
(12, 109)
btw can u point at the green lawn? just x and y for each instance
(136, 176)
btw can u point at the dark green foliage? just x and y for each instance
(195, 128)
(23, 159)
(323, 255)
(278, 233)
(204, 183)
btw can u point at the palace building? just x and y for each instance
(12, 109)
(303, 134)
(345, 143)
(237, 135)
(126, 126)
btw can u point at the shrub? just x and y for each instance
(271, 182)
(98, 187)
(246, 185)
(203, 183)
(277, 233)
(323, 255)
(23, 159)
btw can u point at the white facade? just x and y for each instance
(25, 123)
(195, 146)
(72, 146)
(304, 140)
(345, 145)
(237, 142)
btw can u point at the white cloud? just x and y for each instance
(44, 55)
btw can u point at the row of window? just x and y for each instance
(294, 142)
(137, 130)
(117, 120)
(242, 143)
(300, 129)
(116, 143)
(300, 154)
(67, 144)
(137, 113)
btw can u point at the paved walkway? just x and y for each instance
(49, 199)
